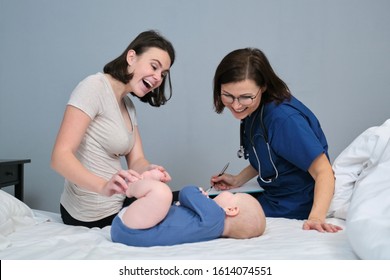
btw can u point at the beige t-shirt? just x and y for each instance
(106, 139)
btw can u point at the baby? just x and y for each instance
(151, 220)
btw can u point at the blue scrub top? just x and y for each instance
(296, 140)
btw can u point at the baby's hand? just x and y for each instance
(203, 192)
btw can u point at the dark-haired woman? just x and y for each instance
(281, 137)
(100, 126)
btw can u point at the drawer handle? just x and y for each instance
(9, 173)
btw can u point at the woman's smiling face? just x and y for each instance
(247, 91)
(149, 69)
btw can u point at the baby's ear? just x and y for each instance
(231, 211)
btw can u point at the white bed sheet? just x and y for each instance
(283, 240)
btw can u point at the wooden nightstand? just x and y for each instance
(12, 174)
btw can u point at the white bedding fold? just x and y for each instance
(357, 162)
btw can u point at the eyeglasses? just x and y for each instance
(243, 99)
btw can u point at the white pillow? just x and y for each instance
(368, 219)
(4, 242)
(354, 164)
(13, 214)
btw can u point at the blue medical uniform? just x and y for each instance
(296, 140)
(197, 218)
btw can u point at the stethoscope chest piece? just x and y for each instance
(241, 152)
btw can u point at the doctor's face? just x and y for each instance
(242, 98)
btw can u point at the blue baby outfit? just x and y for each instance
(197, 218)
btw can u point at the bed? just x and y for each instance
(41, 235)
(361, 206)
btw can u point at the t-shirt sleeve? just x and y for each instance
(87, 96)
(295, 141)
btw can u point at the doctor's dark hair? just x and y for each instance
(145, 40)
(249, 64)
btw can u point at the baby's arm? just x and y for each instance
(152, 205)
(197, 200)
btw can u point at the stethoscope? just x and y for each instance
(242, 152)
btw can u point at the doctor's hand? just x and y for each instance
(224, 182)
(320, 226)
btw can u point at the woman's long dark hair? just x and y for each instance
(251, 64)
(145, 40)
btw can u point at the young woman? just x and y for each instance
(281, 137)
(100, 126)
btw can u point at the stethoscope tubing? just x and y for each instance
(242, 152)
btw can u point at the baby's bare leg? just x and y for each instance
(152, 205)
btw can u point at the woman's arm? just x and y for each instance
(322, 173)
(64, 161)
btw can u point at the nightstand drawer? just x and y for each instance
(8, 174)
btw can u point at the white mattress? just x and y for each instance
(283, 239)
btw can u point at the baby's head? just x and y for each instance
(244, 215)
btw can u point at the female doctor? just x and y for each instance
(281, 137)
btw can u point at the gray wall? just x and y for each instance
(334, 55)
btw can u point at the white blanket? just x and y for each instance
(283, 239)
(32, 234)
(362, 193)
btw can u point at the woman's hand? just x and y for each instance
(118, 182)
(154, 174)
(224, 182)
(320, 226)
(322, 173)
